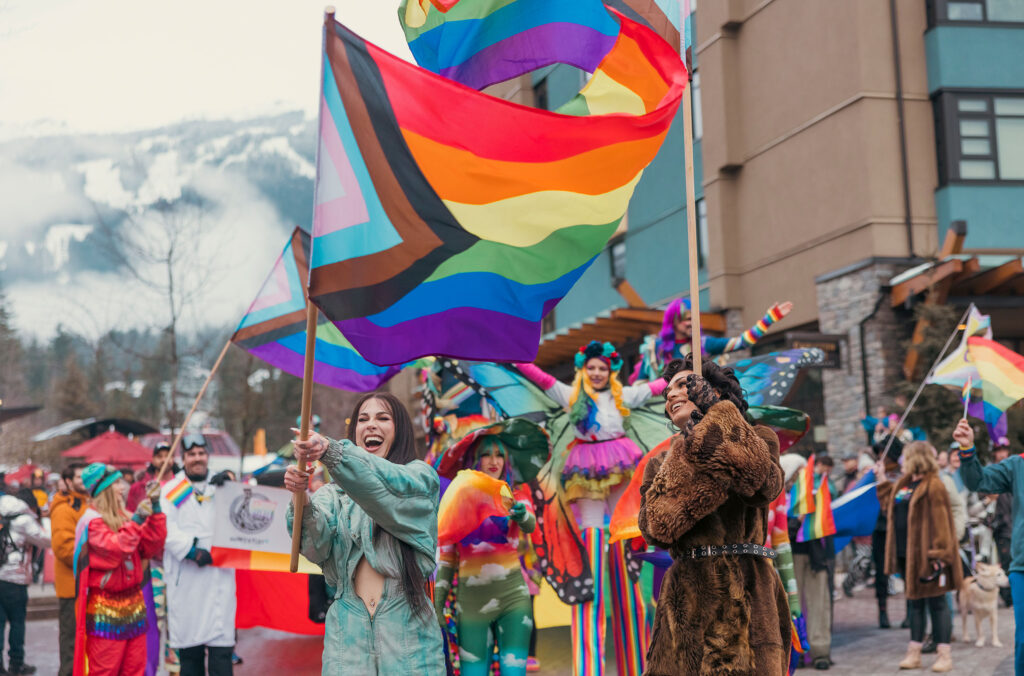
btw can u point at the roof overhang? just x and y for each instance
(966, 275)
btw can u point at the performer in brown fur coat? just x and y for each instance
(720, 613)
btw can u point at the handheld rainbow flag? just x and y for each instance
(801, 496)
(820, 522)
(274, 328)
(1001, 372)
(957, 368)
(449, 222)
(965, 395)
(180, 493)
(470, 498)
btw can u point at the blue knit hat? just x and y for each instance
(98, 477)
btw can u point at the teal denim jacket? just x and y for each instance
(337, 531)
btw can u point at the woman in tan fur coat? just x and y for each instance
(723, 609)
(921, 545)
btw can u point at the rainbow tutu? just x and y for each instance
(593, 468)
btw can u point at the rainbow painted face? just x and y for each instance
(678, 406)
(598, 373)
(375, 427)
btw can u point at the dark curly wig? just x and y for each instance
(722, 379)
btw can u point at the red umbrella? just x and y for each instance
(22, 474)
(112, 448)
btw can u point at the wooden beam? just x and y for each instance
(630, 295)
(915, 285)
(639, 315)
(954, 242)
(989, 280)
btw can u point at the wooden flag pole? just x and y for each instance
(184, 424)
(691, 222)
(299, 499)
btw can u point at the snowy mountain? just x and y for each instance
(67, 197)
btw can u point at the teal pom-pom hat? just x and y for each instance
(606, 352)
(98, 477)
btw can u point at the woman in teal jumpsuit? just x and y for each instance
(373, 530)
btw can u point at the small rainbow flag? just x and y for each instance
(801, 497)
(820, 523)
(180, 493)
(1002, 376)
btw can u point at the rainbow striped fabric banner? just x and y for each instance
(820, 523)
(274, 328)
(1001, 376)
(180, 493)
(449, 222)
(801, 496)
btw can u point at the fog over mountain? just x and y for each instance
(66, 196)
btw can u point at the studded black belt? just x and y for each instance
(708, 551)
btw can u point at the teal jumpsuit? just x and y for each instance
(337, 532)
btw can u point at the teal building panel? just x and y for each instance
(994, 214)
(975, 57)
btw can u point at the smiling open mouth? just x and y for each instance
(373, 442)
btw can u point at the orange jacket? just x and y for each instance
(65, 511)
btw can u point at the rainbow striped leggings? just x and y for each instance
(588, 619)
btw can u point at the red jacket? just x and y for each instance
(113, 561)
(109, 551)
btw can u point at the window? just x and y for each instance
(983, 137)
(617, 256)
(540, 95)
(698, 118)
(702, 233)
(976, 11)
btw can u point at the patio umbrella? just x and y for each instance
(112, 448)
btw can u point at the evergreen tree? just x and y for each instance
(72, 398)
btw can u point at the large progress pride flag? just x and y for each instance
(274, 328)
(448, 221)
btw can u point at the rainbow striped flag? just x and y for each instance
(180, 493)
(820, 523)
(1001, 376)
(274, 328)
(801, 496)
(449, 222)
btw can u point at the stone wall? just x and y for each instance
(843, 302)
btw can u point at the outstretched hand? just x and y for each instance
(311, 449)
(785, 307)
(964, 434)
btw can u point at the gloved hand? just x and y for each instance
(518, 512)
(201, 556)
(700, 392)
(221, 477)
(143, 510)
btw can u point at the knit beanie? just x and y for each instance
(98, 477)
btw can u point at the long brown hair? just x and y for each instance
(401, 452)
(110, 505)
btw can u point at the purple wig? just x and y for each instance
(667, 337)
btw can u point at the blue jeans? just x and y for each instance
(1017, 591)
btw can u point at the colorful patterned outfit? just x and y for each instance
(600, 462)
(111, 571)
(491, 595)
(658, 350)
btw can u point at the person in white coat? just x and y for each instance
(22, 533)
(200, 597)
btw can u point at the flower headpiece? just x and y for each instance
(606, 352)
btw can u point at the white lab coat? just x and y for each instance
(200, 601)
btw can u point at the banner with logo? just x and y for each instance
(250, 532)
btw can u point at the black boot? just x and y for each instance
(19, 668)
(929, 645)
(883, 618)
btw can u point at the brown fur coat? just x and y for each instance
(930, 535)
(724, 615)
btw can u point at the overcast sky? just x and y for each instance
(115, 65)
